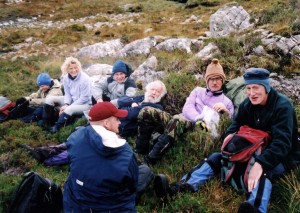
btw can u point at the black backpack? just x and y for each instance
(36, 194)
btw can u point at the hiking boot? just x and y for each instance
(247, 207)
(162, 145)
(62, 121)
(161, 185)
(34, 153)
(149, 161)
(184, 188)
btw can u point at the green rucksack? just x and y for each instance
(234, 90)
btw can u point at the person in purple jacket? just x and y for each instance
(77, 97)
(200, 106)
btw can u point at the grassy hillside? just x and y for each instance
(17, 79)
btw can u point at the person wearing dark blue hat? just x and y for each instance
(29, 108)
(258, 76)
(47, 86)
(119, 84)
(43, 79)
(264, 109)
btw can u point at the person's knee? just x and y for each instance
(214, 160)
(52, 100)
(71, 110)
(49, 102)
(145, 178)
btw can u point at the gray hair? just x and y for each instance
(157, 83)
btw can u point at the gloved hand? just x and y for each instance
(201, 124)
(21, 100)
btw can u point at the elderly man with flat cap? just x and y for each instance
(264, 109)
(103, 169)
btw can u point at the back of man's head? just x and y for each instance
(104, 110)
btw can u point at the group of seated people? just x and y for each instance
(58, 102)
(105, 174)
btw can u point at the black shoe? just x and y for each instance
(141, 152)
(185, 188)
(35, 154)
(161, 185)
(247, 207)
(149, 161)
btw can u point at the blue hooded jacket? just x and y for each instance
(101, 179)
(129, 124)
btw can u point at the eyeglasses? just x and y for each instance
(217, 79)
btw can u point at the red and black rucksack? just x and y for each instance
(237, 151)
(6, 106)
(12, 110)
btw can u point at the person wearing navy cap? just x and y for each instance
(264, 109)
(118, 85)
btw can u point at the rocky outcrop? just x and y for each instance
(206, 52)
(288, 86)
(13, 1)
(141, 46)
(100, 50)
(147, 72)
(286, 45)
(229, 19)
(172, 44)
(99, 69)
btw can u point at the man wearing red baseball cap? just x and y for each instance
(103, 169)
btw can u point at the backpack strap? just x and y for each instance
(249, 166)
(227, 170)
(260, 191)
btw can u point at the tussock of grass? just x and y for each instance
(179, 86)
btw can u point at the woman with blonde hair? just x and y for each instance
(77, 97)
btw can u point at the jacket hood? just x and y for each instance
(107, 143)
